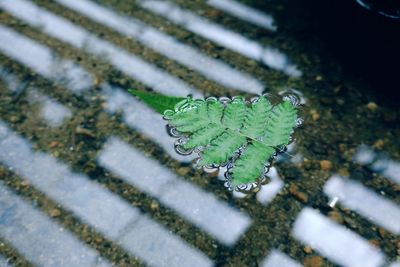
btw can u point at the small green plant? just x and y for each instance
(242, 135)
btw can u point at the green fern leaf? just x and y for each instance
(280, 124)
(221, 148)
(251, 164)
(255, 124)
(245, 136)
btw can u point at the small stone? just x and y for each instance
(314, 115)
(154, 205)
(14, 119)
(55, 213)
(54, 144)
(318, 78)
(84, 131)
(25, 183)
(342, 147)
(301, 196)
(350, 222)
(307, 249)
(313, 261)
(98, 239)
(344, 172)
(378, 144)
(381, 232)
(325, 165)
(340, 101)
(374, 242)
(182, 171)
(372, 106)
(336, 216)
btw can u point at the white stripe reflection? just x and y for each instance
(158, 247)
(268, 192)
(278, 259)
(38, 238)
(245, 13)
(74, 35)
(336, 242)
(135, 114)
(140, 117)
(9, 79)
(4, 262)
(41, 59)
(378, 163)
(199, 207)
(364, 201)
(222, 36)
(75, 191)
(98, 207)
(51, 111)
(167, 45)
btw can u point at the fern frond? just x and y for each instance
(234, 113)
(219, 129)
(221, 148)
(256, 118)
(250, 165)
(280, 124)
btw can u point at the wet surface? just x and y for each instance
(89, 175)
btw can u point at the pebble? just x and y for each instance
(342, 147)
(381, 232)
(378, 144)
(301, 196)
(350, 222)
(313, 261)
(83, 131)
(325, 165)
(54, 144)
(314, 115)
(307, 249)
(25, 183)
(154, 205)
(318, 78)
(374, 242)
(372, 106)
(344, 172)
(336, 216)
(14, 119)
(182, 171)
(55, 213)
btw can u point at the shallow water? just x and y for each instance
(89, 175)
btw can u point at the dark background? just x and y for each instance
(366, 44)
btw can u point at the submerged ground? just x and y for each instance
(89, 177)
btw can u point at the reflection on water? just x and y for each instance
(201, 208)
(4, 262)
(41, 59)
(74, 35)
(51, 111)
(38, 238)
(245, 13)
(237, 229)
(379, 163)
(362, 200)
(334, 241)
(116, 219)
(277, 259)
(222, 36)
(168, 46)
